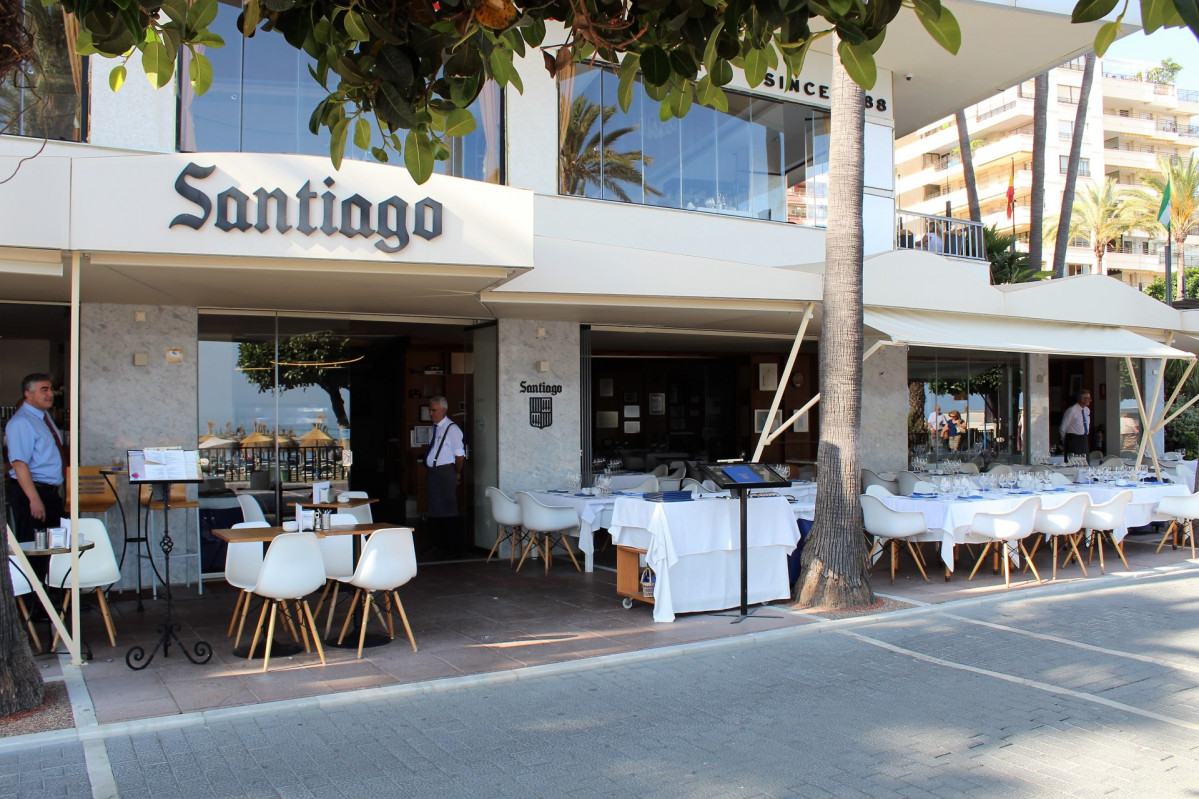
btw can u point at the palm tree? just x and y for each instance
(1040, 110)
(834, 559)
(1008, 265)
(1102, 215)
(589, 156)
(1080, 124)
(1183, 178)
(968, 166)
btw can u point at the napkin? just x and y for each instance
(1047, 490)
(974, 496)
(1020, 491)
(557, 491)
(922, 496)
(580, 494)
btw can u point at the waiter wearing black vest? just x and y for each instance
(445, 460)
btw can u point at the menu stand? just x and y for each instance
(739, 479)
(137, 658)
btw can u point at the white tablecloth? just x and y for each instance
(694, 549)
(1141, 509)
(594, 513)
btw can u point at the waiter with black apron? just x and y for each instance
(445, 460)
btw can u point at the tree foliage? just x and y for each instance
(1008, 265)
(590, 153)
(1101, 214)
(310, 359)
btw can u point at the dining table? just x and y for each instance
(239, 535)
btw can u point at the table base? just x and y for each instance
(748, 613)
(278, 649)
(137, 659)
(351, 640)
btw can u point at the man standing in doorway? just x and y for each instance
(1076, 426)
(445, 459)
(936, 423)
(36, 454)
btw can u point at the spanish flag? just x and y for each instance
(1011, 191)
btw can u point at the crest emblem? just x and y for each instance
(541, 412)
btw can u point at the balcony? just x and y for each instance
(958, 238)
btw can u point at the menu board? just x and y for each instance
(742, 475)
(164, 465)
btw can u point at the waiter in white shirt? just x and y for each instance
(445, 461)
(1076, 426)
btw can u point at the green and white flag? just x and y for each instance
(1163, 213)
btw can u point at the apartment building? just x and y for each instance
(1131, 121)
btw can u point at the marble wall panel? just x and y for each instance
(884, 437)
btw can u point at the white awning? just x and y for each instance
(1001, 334)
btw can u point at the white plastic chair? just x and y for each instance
(251, 511)
(1058, 479)
(661, 470)
(546, 525)
(98, 569)
(1182, 511)
(1064, 519)
(923, 487)
(1002, 528)
(887, 525)
(692, 485)
(387, 562)
(673, 480)
(21, 587)
(291, 570)
(360, 512)
(1101, 520)
(1111, 460)
(650, 483)
(877, 491)
(999, 468)
(968, 468)
(906, 481)
(337, 556)
(243, 562)
(506, 513)
(870, 478)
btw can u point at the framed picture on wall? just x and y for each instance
(632, 411)
(630, 396)
(632, 427)
(607, 419)
(768, 376)
(760, 417)
(657, 404)
(1075, 387)
(605, 387)
(424, 414)
(801, 424)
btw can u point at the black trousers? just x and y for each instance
(24, 524)
(1076, 444)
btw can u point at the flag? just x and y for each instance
(1163, 213)
(1011, 192)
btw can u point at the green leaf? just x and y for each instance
(1156, 14)
(859, 63)
(418, 156)
(116, 78)
(755, 67)
(253, 14)
(944, 30)
(840, 7)
(710, 54)
(362, 134)
(355, 26)
(1189, 11)
(628, 80)
(723, 73)
(655, 66)
(201, 14)
(928, 8)
(502, 70)
(711, 95)
(1105, 37)
(176, 10)
(337, 143)
(534, 32)
(680, 99)
(158, 63)
(1091, 10)
(84, 44)
(200, 73)
(393, 109)
(208, 39)
(460, 122)
(665, 110)
(379, 154)
(876, 43)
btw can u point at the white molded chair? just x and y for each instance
(1101, 520)
(892, 526)
(243, 562)
(906, 481)
(1110, 460)
(673, 480)
(98, 569)
(1064, 519)
(877, 491)
(251, 511)
(648, 484)
(1039, 467)
(546, 525)
(291, 570)
(870, 478)
(1181, 511)
(21, 587)
(1002, 528)
(968, 468)
(999, 468)
(337, 556)
(692, 485)
(361, 512)
(388, 561)
(661, 470)
(1058, 479)
(923, 487)
(506, 513)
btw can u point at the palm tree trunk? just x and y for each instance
(968, 167)
(1040, 109)
(834, 557)
(21, 686)
(1080, 125)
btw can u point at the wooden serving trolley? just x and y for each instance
(628, 576)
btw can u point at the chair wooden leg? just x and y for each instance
(1191, 535)
(28, 622)
(270, 638)
(303, 628)
(241, 597)
(1172, 530)
(320, 650)
(1119, 547)
(1099, 542)
(382, 619)
(982, 557)
(528, 546)
(366, 606)
(894, 558)
(1077, 555)
(102, 601)
(565, 539)
(241, 624)
(1054, 559)
(320, 603)
(1028, 559)
(389, 615)
(1007, 570)
(547, 541)
(503, 535)
(332, 605)
(349, 615)
(404, 619)
(916, 557)
(258, 629)
(66, 605)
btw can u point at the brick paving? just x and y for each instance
(1085, 689)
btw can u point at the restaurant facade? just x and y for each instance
(195, 273)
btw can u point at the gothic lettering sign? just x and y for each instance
(325, 212)
(541, 412)
(540, 388)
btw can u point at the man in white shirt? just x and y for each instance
(445, 460)
(1076, 426)
(936, 421)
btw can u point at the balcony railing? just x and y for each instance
(1181, 130)
(960, 238)
(994, 111)
(1188, 95)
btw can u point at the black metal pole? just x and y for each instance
(744, 552)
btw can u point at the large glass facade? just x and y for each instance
(46, 98)
(764, 158)
(262, 96)
(987, 392)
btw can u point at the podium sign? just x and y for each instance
(735, 476)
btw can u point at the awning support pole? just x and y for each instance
(1147, 420)
(784, 378)
(74, 643)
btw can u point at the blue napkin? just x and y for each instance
(557, 491)
(922, 495)
(1020, 492)
(1054, 489)
(974, 496)
(582, 495)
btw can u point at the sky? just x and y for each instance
(1177, 43)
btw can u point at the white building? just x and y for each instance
(642, 317)
(1131, 121)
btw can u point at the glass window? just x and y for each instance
(1084, 165)
(46, 98)
(262, 96)
(988, 396)
(763, 158)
